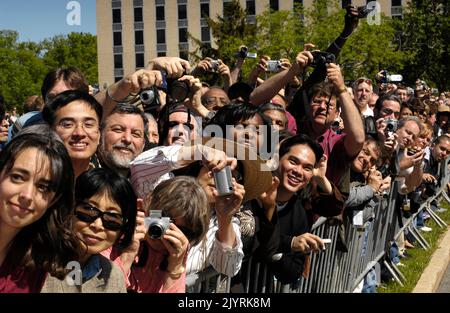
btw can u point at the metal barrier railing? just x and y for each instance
(333, 270)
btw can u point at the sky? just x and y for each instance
(36, 20)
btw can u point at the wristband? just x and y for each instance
(342, 90)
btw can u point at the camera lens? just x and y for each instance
(179, 91)
(156, 231)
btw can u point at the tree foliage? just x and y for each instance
(423, 50)
(425, 37)
(23, 65)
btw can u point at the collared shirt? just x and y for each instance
(338, 159)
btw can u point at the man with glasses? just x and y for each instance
(215, 98)
(75, 116)
(362, 89)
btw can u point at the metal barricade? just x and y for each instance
(332, 270)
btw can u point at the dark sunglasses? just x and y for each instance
(88, 213)
(173, 124)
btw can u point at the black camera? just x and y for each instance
(364, 10)
(321, 58)
(150, 99)
(431, 189)
(176, 90)
(243, 53)
(156, 224)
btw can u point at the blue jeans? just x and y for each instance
(370, 282)
(393, 254)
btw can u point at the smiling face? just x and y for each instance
(295, 171)
(408, 134)
(366, 158)
(123, 138)
(24, 190)
(95, 237)
(78, 126)
(363, 93)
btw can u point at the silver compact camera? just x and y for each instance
(156, 224)
(391, 125)
(214, 65)
(274, 66)
(223, 182)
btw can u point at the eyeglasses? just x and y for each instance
(88, 213)
(89, 126)
(388, 111)
(173, 124)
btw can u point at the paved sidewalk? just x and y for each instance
(437, 270)
(444, 286)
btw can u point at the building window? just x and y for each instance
(139, 37)
(182, 35)
(274, 5)
(227, 8)
(117, 17)
(182, 12)
(184, 55)
(204, 10)
(118, 61)
(298, 2)
(346, 3)
(251, 9)
(160, 36)
(206, 34)
(117, 78)
(138, 15)
(160, 16)
(396, 3)
(139, 60)
(117, 38)
(161, 54)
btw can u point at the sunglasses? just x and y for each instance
(173, 124)
(363, 80)
(88, 213)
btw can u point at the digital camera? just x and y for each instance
(321, 58)
(391, 125)
(390, 78)
(176, 90)
(150, 99)
(156, 224)
(214, 65)
(223, 182)
(274, 66)
(243, 53)
(411, 151)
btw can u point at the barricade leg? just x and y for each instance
(420, 239)
(388, 266)
(434, 216)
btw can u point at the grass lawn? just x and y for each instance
(416, 264)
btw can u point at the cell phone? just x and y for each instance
(223, 182)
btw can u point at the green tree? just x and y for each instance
(21, 69)
(425, 37)
(75, 49)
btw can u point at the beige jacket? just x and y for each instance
(109, 279)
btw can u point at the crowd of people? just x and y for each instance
(124, 184)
